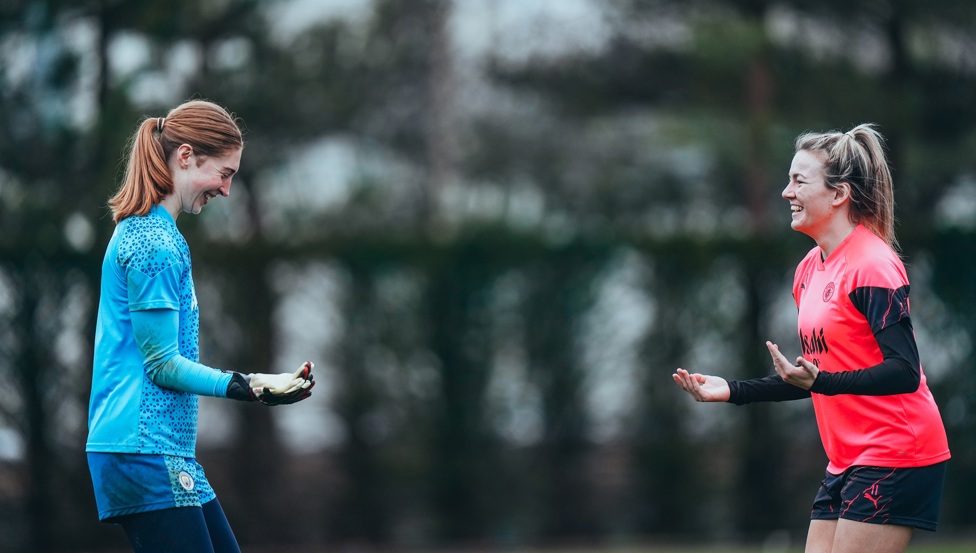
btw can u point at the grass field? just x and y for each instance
(915, 548)
(922, 547)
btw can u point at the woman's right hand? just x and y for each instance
(283, 383)
(702, 387)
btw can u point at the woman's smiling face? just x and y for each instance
(811, 200)
(201, 178)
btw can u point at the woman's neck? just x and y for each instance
(833, 237)
(171, 203)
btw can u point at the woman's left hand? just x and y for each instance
(801, 375)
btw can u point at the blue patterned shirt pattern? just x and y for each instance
(146, 267)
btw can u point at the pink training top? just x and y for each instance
(902, 430)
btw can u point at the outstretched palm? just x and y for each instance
(702, 387)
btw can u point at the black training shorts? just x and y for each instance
(883, 495)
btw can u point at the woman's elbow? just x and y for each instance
(163, 372)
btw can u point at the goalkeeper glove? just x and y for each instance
(285, 388)
(273, 389)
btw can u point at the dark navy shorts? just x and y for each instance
(883, 495)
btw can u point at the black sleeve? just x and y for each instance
(769, 388)
(899, 373)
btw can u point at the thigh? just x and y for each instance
(864, 537)
(181, 529)
(221, 535)
(820, 536)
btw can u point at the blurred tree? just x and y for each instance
(561, 288)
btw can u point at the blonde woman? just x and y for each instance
(879, 424)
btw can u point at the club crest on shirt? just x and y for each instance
(828, 292)
(185, 480)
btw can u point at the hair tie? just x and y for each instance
(159, 123)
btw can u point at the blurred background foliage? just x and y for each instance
(497, 226)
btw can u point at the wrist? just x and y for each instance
(239, 388)
(820, 383)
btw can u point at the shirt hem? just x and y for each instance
(837, 469)
(156, 304)
(113, 448)
(111, 514)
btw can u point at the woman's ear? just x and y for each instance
(842, 193)
(183, 154)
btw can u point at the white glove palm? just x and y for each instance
(282, 383)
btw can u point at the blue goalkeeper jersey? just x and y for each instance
(146, 267)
